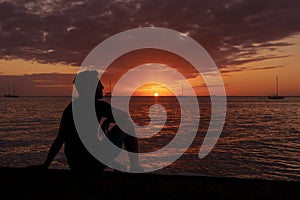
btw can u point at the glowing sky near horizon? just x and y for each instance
(43, 44)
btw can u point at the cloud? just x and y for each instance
(239, 69)
(256, 59)
(267, 68)
(232, 31)
(273, 44)
(51, 80)
(205, 86)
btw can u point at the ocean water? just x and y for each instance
(260, 139)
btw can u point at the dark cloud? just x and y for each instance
(256, 59)
(269, 67)
(239, 69)
(232, 31)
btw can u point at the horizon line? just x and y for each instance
(158, 96)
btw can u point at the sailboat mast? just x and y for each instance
(109, 85)
(181, 89)
(276, 85)
(8, 89)
(14, 90)
(276, 96)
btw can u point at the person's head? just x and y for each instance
(85, 83)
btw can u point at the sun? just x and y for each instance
(156, 94)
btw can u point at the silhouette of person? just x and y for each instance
(78, 157)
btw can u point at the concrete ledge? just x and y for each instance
(20, 183)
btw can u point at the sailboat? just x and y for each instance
(11, 95)
(108, 94)
(276, 96)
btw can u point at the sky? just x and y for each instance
(43, 43)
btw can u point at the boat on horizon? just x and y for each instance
(108, 94)
(276, 96)
(11, 95)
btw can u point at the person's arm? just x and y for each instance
(54, 149)
(59, 140)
